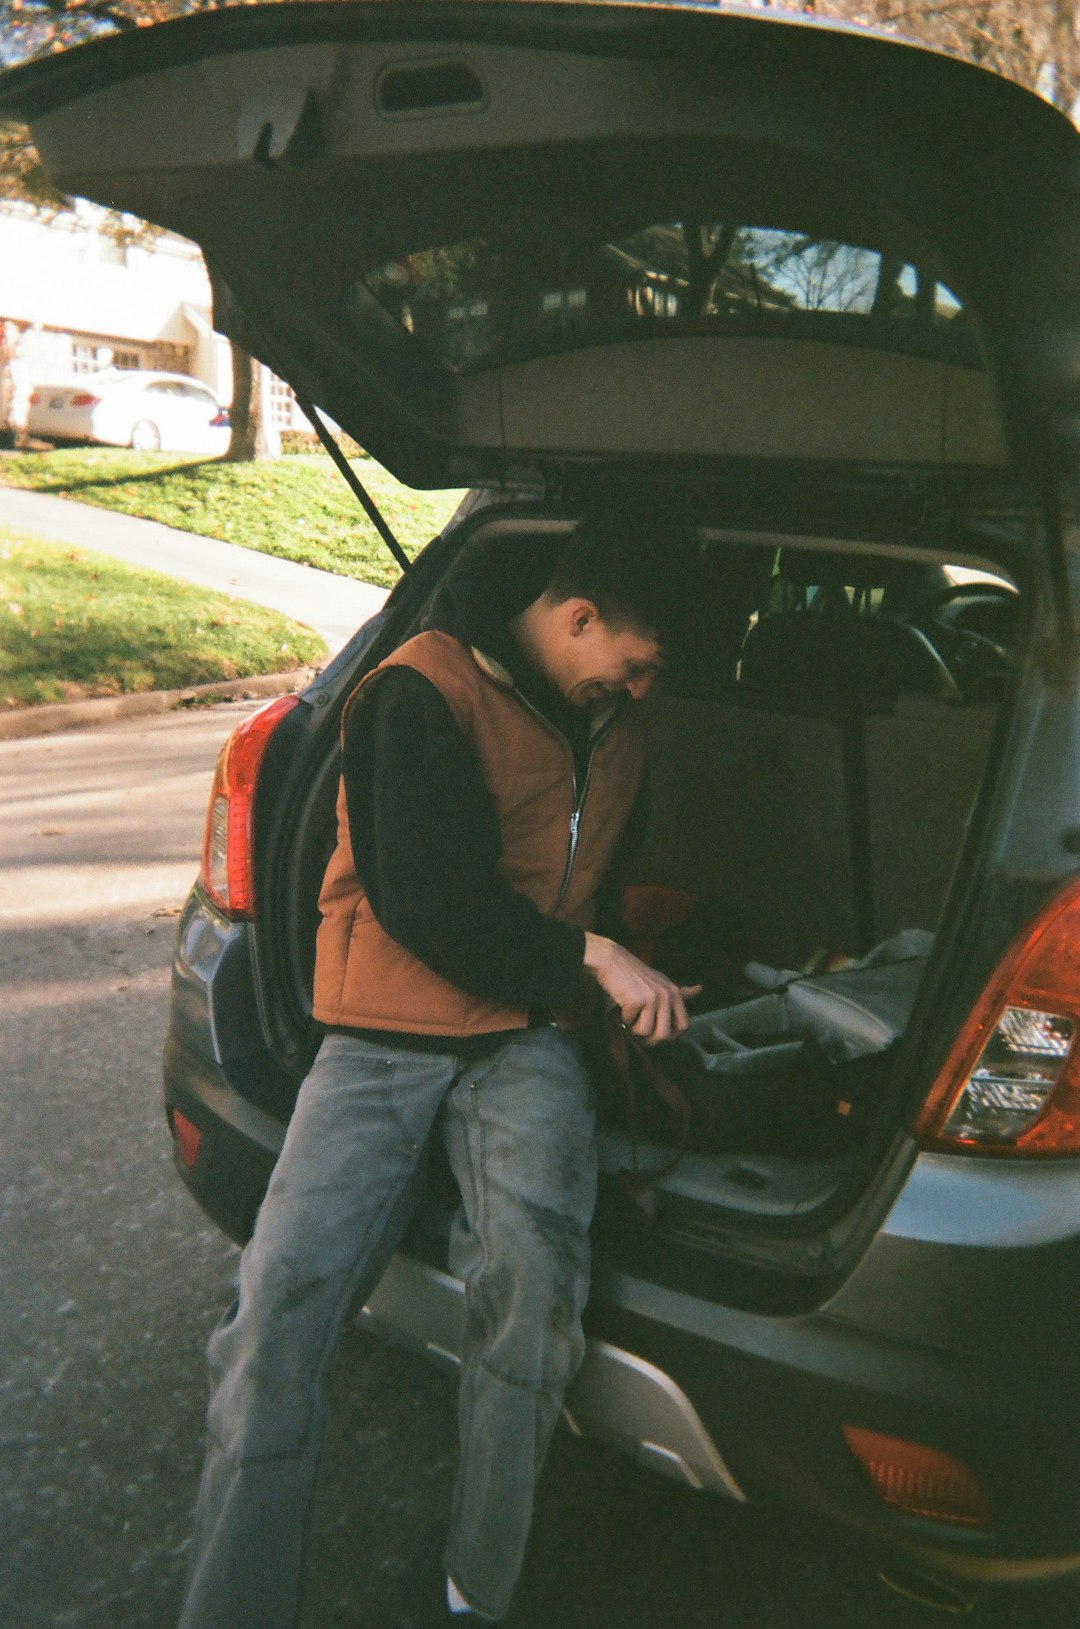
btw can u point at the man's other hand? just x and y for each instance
(652, 1007)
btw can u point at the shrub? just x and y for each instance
(306, 441)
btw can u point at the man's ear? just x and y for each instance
(580, 613)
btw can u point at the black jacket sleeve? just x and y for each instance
(426, 846)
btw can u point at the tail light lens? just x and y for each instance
(83, 398)
(1011, 1084)
(187, 1136)
(36, 398)
(923, 1481)
(228, 861)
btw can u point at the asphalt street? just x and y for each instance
(111, 1279)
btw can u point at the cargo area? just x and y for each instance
(816, 751)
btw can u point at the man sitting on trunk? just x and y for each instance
(490, 791)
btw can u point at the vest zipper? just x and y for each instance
(579, 798)
(575, 830)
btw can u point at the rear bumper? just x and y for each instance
(748, 1405)
(725, 1416)
(617, 1396)
(239, 1142)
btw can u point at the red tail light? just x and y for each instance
(923, 1481)
(36, 398)
(83, 399)
(188, 1137)
(1011, 1084)
(228, 862)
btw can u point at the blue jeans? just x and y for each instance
(520, 1136)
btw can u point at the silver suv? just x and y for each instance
(818, 289)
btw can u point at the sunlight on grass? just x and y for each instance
(75, 624)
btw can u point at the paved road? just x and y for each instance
(334, 606)
(110, 1281)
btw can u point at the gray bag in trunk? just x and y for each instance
(851, 1013)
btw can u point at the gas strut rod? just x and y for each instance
(371, 509)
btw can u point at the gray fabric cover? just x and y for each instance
(858, 1010)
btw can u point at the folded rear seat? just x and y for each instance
(750, 804)
(831, 797)
(924, 766)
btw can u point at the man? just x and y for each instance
(490, 786)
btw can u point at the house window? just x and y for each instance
(87, 357)
(282, 397)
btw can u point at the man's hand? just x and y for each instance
(652, 1007)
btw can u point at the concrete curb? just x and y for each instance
(82, 715)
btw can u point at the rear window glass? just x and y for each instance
(478, 302)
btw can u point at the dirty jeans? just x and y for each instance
(520, 1136)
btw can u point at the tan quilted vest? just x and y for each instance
(363, 978)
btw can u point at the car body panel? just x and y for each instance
(935, 1306)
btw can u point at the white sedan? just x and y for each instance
(132, 408)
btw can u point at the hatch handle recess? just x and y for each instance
(371, 509)
(410, 89)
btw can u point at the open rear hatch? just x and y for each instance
(498, 240)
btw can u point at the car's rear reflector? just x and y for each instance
(228, 863)
(1011, 1083)
(187, 1136)
(923, 1481)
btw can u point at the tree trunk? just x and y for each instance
(14, 390)
(250, 437)
(7, 386)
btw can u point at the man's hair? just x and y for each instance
(637, 569)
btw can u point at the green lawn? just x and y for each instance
(297, 507)
(75, 624)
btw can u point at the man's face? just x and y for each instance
(595, 659)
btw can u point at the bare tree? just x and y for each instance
(34, 28)
(1034, 42)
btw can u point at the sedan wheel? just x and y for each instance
(145, 436)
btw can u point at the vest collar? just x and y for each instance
(492, 669)
(599, 717)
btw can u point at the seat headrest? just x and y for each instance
(839, 663)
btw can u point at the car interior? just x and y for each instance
(816, 749)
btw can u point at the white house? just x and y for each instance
(75, 297)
